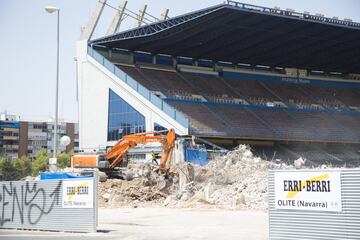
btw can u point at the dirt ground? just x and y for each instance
(195, 224)
(163, 224)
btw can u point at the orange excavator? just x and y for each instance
(109, 161)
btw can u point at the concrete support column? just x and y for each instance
(109, 53)
(132, 59)
(174, 62)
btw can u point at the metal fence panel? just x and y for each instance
(298, 224)
(40, 205)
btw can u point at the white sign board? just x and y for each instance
(313, 191)
(78, 194)
(52, 161)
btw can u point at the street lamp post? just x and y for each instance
(51, 9)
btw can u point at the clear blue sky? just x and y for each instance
(28, 45)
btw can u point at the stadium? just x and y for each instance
(284, 82)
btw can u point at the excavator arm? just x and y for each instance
(119, 151)
(167, 151)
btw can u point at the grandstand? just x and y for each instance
(284, 82)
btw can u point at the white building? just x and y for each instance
(4, 116)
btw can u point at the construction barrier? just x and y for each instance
(314, 204)
(196, 155)
(59, 204)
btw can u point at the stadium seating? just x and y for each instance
(351, 122)
(136, 74)
(285, 125)
(289, 92)
(242, 122)
(214, 85)
(201, 118)
(347, 96)
(248, 108)
(254, 92)
(324, 96)
(323, 126)
(166, 80)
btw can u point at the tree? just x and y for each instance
(7, 170)
(64, 160)
(11, 170)
(23, 167)
(41, 163)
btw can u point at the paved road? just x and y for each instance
(164, 224)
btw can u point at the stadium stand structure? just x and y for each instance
(290, 92)
(254, 109)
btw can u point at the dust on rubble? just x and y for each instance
(237, 180)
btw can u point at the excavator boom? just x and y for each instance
(119, 151)
(167, 152)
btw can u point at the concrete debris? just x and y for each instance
(143, 188)
(237, 180)
(299, 163)
(106, 196)
(30, 178)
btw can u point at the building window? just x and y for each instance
(158, 127)
(137, 157)
(123, 119)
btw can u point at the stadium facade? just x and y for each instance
(232, 73)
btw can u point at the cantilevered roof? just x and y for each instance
(242, 33)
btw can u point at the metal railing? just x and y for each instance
(292, 13)
(158, 102)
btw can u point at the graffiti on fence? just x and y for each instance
(26, 201)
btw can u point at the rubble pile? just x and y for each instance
(120, 193)
(237, 180)
(146, 188)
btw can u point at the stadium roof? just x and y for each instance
(242, 33)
